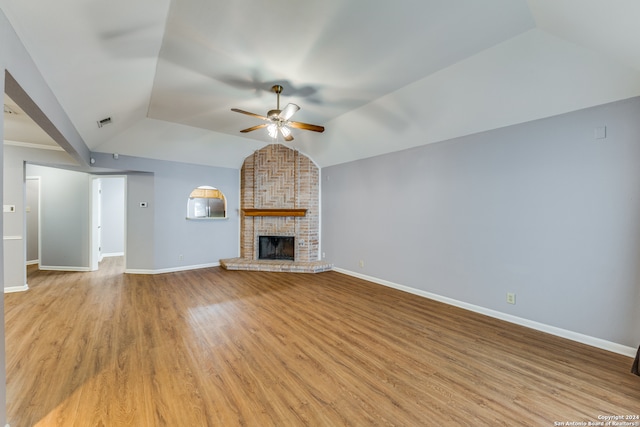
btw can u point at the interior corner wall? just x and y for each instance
(64, 218)
(14, 194)
(545, 209)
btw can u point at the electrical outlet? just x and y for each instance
(361, 264)
(511, 298)
(180, 257)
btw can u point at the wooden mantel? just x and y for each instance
(273, 212)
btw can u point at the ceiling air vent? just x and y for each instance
(9, 110)
(104, 122)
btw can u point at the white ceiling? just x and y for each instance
(19, 129)
(380, 76)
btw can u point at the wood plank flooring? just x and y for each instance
(213, 347)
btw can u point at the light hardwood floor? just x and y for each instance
(229, 348)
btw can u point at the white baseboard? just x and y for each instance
(173, 269)
(112, 254)
(35, 261)
(63, 268)
(563, 333)
(12, 289)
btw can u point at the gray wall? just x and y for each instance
(65, 217)
(14, 193)
(112, 215)
(542, 209)
(163, 238)
(159, 238)
(32, 209)
(140, 244)
(13, 222)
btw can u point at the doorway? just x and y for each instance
(108, 213)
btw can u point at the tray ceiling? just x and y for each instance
(380, 76)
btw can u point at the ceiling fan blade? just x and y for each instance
(264, 125)
(288, 111)
(287, 137)
(237, 110)
(306, 126)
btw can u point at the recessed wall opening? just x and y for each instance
(206, 202)
(276, 247)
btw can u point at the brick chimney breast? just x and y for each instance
(278, 177)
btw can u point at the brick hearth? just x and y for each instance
(275, 265)
(279, 178)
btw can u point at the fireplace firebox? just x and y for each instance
(276, 247)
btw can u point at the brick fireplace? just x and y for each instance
(280, 196)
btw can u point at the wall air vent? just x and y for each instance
(104, 122)
(9, 110)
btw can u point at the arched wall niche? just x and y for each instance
(206, 202)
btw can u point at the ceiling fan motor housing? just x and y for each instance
(279, 119)
(273, 114)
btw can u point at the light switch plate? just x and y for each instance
(600, 132)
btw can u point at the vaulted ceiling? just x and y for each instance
(380, 76)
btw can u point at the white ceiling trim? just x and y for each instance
(33, 145)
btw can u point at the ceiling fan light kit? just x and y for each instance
(278, 119)
(272, 129)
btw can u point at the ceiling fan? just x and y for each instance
(278, 120)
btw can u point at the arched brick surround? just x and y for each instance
(277, 177)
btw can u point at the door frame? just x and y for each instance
(38, 225)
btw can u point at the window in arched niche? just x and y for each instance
(206, 202)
